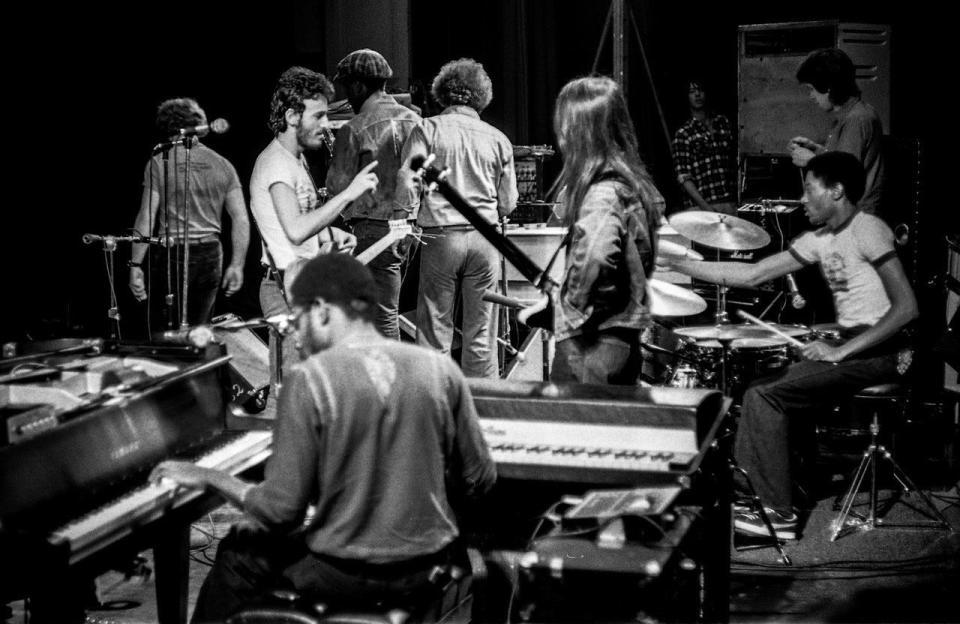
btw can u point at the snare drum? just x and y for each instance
(753, 358)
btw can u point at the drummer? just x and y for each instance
(873, 301)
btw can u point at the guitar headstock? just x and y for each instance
(399, 228)
(429, 173)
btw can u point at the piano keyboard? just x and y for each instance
(588, 457)
(585, 451)
(120, 517)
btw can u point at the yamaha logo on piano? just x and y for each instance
(122, 451)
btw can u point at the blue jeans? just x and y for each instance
(252, 562)
(608, 357)
(205, 271)
(272, 303)
(762, 445)
(452, 260)
(386, 273)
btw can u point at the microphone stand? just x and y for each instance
(188, 144)
(109, 247)
(504, 314)
(168, 297)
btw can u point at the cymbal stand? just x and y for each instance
(724, 356)
(721, 313)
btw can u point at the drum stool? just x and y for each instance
(875, 398)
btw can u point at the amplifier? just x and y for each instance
(567, 577)
(249, 366)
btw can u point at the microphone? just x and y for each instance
(198, 335)
(796, 299)
(217, 126)
(283, 323)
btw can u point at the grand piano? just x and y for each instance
(83, 427)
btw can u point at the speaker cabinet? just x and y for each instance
(774, 108)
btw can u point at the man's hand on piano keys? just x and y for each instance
(181, 473)
(191, 475)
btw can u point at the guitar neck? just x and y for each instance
(521, 262)
(375, 249)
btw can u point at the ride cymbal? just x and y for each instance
(716, 229)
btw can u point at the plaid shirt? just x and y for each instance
(707, 159)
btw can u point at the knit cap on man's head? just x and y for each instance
(364, 63)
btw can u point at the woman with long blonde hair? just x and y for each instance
(612, 209)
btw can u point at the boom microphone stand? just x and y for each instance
(109, 247)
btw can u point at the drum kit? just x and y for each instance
(724, 355)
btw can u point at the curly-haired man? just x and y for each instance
(480, 159)
(283, 196)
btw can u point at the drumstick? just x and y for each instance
(770, 328)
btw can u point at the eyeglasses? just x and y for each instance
(296, 312)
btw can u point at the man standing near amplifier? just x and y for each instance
(831, 78)
(377, 133)
(458, 260)
(874, 302)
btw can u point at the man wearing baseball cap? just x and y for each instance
(376, 133)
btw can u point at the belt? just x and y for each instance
(422, 562)
(206, 240)
(271, 272)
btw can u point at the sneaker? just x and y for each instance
(749, 522)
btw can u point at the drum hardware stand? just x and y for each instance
(871, 457)
(757, 505)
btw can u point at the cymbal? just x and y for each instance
(716, 229)
(668, 299)
(669, 249)
(736, 332)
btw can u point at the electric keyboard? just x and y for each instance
(596, 434)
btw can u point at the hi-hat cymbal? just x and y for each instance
(716, 229)
(668, 299)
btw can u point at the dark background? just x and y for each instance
(83, 83)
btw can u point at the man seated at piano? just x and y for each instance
(380, 437)
(873, 301)
(612, 210)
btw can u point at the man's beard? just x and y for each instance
(304, 139)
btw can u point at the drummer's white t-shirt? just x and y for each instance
(848, 259)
